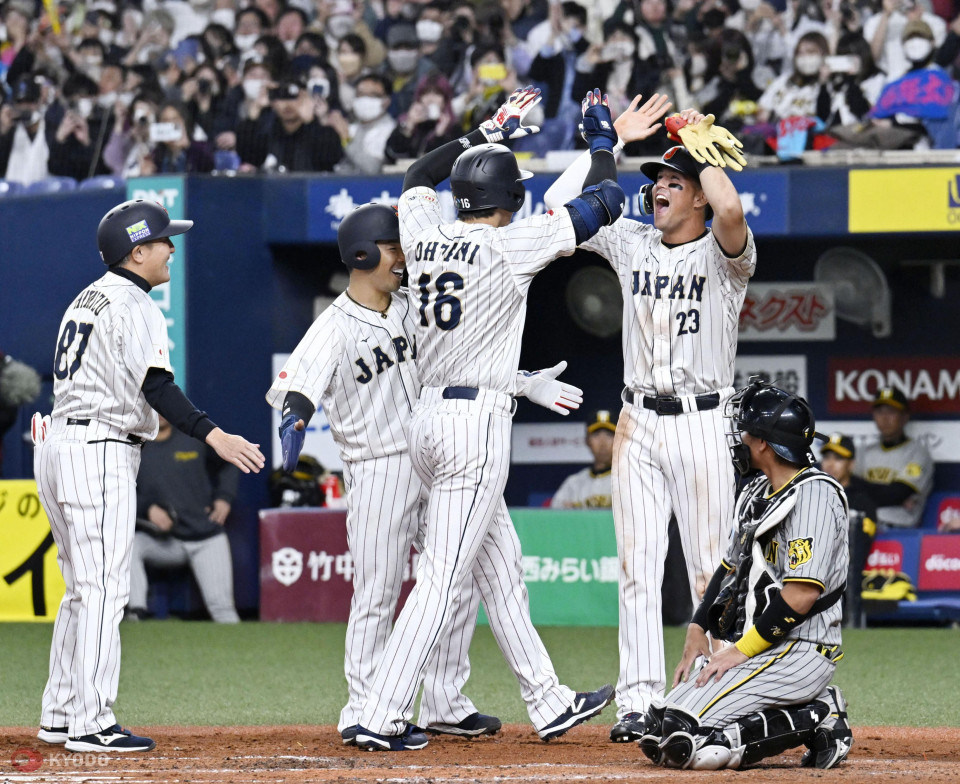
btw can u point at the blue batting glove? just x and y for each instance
(291, 441)
(597, 125)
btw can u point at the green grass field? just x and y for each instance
(200, 673)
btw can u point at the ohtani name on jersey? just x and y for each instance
(668, 286)
(92, 300)
(400, 346)
(447, 251)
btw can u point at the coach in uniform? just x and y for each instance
(900, 467)
(112, 376)
(683, 288)
(590, 487)
(776, 596)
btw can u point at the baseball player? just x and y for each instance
(357, 361)
(590, 487)
(470, 280)
(683, 287)
(111, 376)
(776, 596)
(899, 468)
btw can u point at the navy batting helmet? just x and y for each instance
(783, 420)
(487, 177)
(134, 223)
(679, 159)
(360, 232)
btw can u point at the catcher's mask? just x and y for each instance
(783, 420)
(678, 159)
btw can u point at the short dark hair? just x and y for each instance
(380, 79)
(461, 215)
(569, 8)
(355, 42)
(261, 16)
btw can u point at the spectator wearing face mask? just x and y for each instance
(857, 82)
(428, 124)
(81, 127)
(291, 24)
(884, 31)
(766, 31)
(430, 27)
(202, 93)
(153, 41)
(404, 67)
(251, 23)
(24, 150)
(925, 98)
(288, 137)
(611, 66)
(803, 92)
(492, 82)
(129, 143)
(365, 139)
(341, 18)
(809, 16)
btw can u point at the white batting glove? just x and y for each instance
(507, 123)
(39, 425)
(543, 388)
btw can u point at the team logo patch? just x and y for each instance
(799, 551)
(913, 470)
(138, 231)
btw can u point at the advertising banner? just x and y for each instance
(940, 563)
(931, 384)
(787, 371)
(537, 443)
(32, 586)
(169, 192)
(933, 195)
(788, 311)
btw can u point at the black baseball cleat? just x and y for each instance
(474, 725)
(349, 735)
(413, 738)
(586, 705)
(53, 735)
(833, 737)
(631, 727)
(114, 738)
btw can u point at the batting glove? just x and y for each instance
(507, 123)
(291, 440)
(39, 425)
(596, 128)
(543, 388)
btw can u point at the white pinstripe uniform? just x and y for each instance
(359, 365)
(801, 537)
(680, 316)
(471, 284)
(86, 472)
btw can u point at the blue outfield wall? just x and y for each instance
(262, 248)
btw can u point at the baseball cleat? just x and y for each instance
(630, 727)
(114, 738)
(412, 739)
(349, 735)
(53, 734)
(833, 737)
(474, 725)
(586, 705)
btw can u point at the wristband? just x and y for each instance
(752, 643)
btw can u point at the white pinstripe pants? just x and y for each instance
(461, 448)
(89, 494)
(662, 465)
(385, 506)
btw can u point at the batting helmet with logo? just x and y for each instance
(678, 159)
(783, 420)
(487, 177)
(360, 232)
(134, 223)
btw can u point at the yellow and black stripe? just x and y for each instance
(772, 660)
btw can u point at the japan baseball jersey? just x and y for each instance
(910, 463)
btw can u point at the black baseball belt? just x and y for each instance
(668, 405)
(460, 393)
(130, 439)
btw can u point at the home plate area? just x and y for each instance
(315, 753)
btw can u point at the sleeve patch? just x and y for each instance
(799, 551)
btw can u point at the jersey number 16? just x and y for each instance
(447, 309)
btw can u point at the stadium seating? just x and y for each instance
(101, 182)
(51, 185)
(10, 188)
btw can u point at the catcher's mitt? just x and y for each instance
(708, 143)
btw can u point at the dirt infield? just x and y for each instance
(303, 753)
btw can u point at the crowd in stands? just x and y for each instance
(135, 87)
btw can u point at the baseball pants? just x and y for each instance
(461, 450)
(88, 491)
(385, 501)
(209, 560)
(794, 673)
(661, 465)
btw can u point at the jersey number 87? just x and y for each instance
(447, 309)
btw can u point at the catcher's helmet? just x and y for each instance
(134, 223)
(783, 420)
(487, 177)
(677, 158)
(360, 231)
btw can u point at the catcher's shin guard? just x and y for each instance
(774, 731)
(679, 731)
(649, 742)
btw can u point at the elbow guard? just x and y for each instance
(598, 206)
